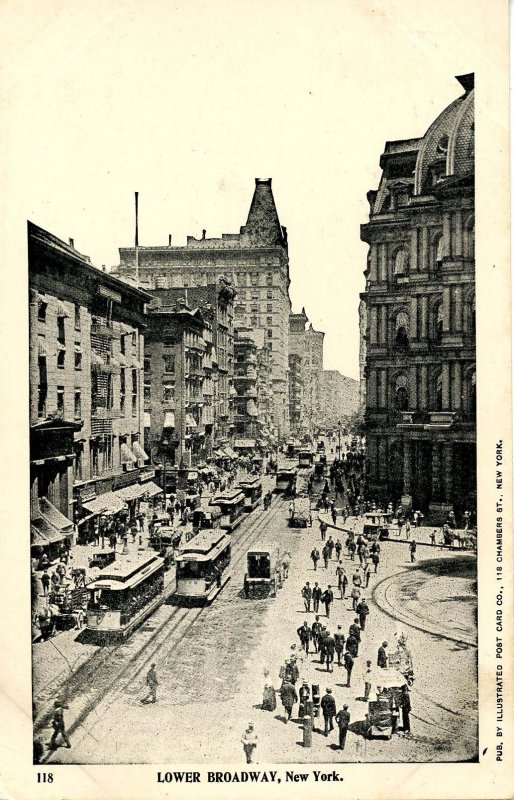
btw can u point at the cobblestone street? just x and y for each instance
(211, 662)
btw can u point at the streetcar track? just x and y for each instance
(189, 616)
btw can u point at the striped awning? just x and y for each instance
(139, 452)
(169, 419)
(127, 456)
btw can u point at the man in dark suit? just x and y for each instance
(348, 662)
(289, 698)
(304, 632)
(327, 599)
(316, 597)
(339, 643)
(382, 656)
(315, 632)
(406, 708)
(363, 611)
(328, 706)
(355, 631)
(343, 720)
(330, 646)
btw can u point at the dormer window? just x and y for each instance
(442, 146)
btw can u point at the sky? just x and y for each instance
(187, 103)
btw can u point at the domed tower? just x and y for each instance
(419, 332)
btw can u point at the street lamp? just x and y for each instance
(164, 446)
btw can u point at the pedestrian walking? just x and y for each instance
(355, 631)
(249, 742)
(351, 549)
(348, 663)
(328, 707)
(432, 538)
(342, 580)
(323, 529)
(338, 549)
(326, 555)
(367, 574)
(45, 581)
(334, 516)
(304, 632)
(355, 595)
(343, 721)
(327, 598)
(406, 709)
(330, 546)
(59, 726)
(152, 683)
(407, 529)
(315, 557)
(307, 596)
(316, 597)
(376, 561)
(412, 549)
(289, 697)
(339, 643)
(382, 660)
(286, 560)
(330, 646)
(315, 633)
(367, 678)
(362, 611)
(304, 694)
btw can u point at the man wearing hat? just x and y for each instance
(315, 632)
(355, 631)
(152, 683)
(304, 694)
(339, 643)
(330, 646)
(304, 632)
(343, 720)
(362, 611)
(328, 706)
(249, 742)
(289, 698)
(58, 725)
(382, 656)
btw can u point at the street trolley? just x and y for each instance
(123, 595)
(232, 505)
(206, 517)
(377, 525)
(286, 480)
(202, 566)
(300, 514)
(263, 574)
(165, 540)
(305, 458)
(383, 713)
(252, 490)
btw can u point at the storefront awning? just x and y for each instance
(139, 452)
(244, 443)
(49, 525)
(130, 492)
(108, 503)
(151, 489)
(127, 456)
(169, 419)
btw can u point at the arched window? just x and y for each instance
(437, 253)
(469, 238)
(401, 340)
(401, 262)
(439, 392)
(470, 315)
(401, 394)
(472, 393)
(438, 322)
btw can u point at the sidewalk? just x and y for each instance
(420, 535)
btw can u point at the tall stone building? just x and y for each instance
(420, 317)
(255, 259)
(307, 344)
(338, 397)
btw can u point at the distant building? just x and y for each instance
(338, 397)
(420, 318)
(255, 259)
(178, 394)
(216, 302)
(296, 406)
(307, 344)
(86, 403)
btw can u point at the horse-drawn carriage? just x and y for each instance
(383, 713)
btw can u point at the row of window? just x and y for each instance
(61, 330)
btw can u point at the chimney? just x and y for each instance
(169, 240)
(103, 268)
(72, 243)
(203, 233)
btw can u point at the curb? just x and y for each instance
(379, 596)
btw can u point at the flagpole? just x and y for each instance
(137, 238)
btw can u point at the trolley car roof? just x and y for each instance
(205, 546)
(126, 573)
(227, 499)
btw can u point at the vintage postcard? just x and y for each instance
(257, 474)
